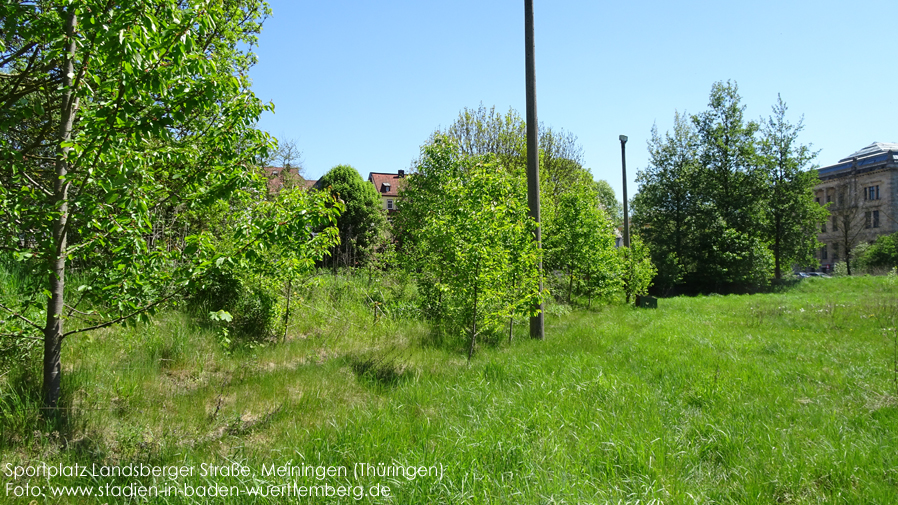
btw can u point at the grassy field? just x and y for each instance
(790, 397)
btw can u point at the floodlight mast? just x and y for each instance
(537, 322)
(623, 157)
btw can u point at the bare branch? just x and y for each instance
(38, 185)
(19, 335)
(117, 320)
(76, 311)
(20, 316)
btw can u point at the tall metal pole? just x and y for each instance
(537, 322)
(623, 158)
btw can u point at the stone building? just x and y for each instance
(862, 193)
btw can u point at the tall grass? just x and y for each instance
(779, 398)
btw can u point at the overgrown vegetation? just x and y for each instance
(779, 398)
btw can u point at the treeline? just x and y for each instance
(726, 203)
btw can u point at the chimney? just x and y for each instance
(402, 173)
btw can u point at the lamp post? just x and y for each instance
(623, 157)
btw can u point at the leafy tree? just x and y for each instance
(484, 131)
(665, 207)
(580, 242)
(363, 225)
(560, 163)
(731, 186)
(469, 240)
(637, 269)
(793, 217)
(702, 204)
(609, 202)
(132, 107)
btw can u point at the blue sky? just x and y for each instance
(364, 83)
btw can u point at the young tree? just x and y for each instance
(132, 107)
(882, 254)
(793, 217)
(468, 240)
(484, 131)
(635, 264)
(580, 241)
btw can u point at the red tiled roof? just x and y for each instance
(277, 176)
(386, 184)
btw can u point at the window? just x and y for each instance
(835, 224)
(867, 219)
(823, 227)
(871, 193)
(829, 198)
(876, 219)
(389, 204)
(835, 253)
(817, 199)
(823, 254)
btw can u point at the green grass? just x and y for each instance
(778, 398)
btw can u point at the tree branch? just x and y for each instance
(23, 318)
(19, 335)
(37, 185)
(127, 316)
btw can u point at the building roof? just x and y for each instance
(387, 184)
(874, 148)
(278, 177)
(876, 156)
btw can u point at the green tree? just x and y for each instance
(667, 202)
(609, 202)
(468, 240)
(793, 217)
(637, 270)
(132, 107)
(484, 131)
(580, 242)
(729, 240)
(363, 225)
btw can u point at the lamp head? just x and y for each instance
(623, 138)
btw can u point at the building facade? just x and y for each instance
(387, 186)
(861, 191)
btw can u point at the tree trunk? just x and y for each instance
(53, 330)
(287, 310)
(474, 319)
(588, 288)
(570, 283)
(777, 254)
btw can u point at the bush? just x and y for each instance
(255, 314)
(250, 300)
(879, 256)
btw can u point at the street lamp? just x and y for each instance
(623, 157)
